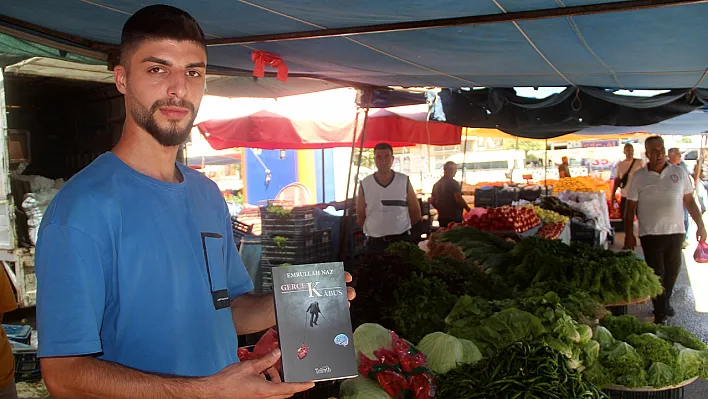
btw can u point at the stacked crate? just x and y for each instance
(289, 238)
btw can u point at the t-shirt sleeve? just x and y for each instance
(8, 302)
(239, 282)
(633, 190)
(71, 292)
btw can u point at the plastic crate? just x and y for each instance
(26, 362)
(296, 249)
(21, 334)
(505, 196)
(530, 194)
(485, 197)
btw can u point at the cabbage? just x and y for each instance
(370, 337)
(470, 352)
(575, 360)
(585, 333)
(559, 345)
(361, 388)
(603, 336)
(444, 352)
(592, 352)
(690, 362)
(661, 375)
(623, 362)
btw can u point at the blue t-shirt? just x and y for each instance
(126, 270)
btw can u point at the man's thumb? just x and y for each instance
(267, 361)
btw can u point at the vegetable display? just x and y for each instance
(520, 370)
(547, 216)
(496, 318)
(560, 207)
(635, 354)
(402, 371)
(505, 218)
(551, 230)
(608, 276)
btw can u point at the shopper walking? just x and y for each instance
(623, 175)
(141, 291)
(659, 193)
(447, 197)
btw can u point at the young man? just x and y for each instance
(447, 197)
(140, 284)
(659, 193)
(563, 168)
(386, 206)
(623, 175)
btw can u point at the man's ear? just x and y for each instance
(120, 74)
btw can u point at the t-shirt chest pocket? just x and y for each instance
(214, 253)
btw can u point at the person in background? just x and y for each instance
(387, 205)
(563, 169)
(447, 197)
(8, 303)
(659, 193)
(675, 159)
(623, 175)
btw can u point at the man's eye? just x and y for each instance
(194, 74)
(156, 70)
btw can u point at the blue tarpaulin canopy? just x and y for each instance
(654, 48)
(649, 44)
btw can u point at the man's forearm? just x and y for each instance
(695, 213)
(629, 212)
(253, 313)
(86, 377)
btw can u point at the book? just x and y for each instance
(314, 327)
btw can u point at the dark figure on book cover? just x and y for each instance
(314, 311)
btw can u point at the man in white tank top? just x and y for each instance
(386, 206)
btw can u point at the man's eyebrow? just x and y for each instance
(196, 65)
(157, 61)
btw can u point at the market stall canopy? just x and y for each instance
(398, 126)
(690, 124)
(569, 111)
(416, 43)
(498, 134)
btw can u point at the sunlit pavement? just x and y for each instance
(689, 300)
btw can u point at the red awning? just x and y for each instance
(400, 126)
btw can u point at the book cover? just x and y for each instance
(314, 327)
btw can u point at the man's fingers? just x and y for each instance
(347, 277)
(274, 375)
(351, 293)
(264, 363)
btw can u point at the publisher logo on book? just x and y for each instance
(323, 370)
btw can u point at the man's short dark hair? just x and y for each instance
(652, 139)
(448, 165)
(383, 146)
(159, 22)
(628, 145)
(673, 149)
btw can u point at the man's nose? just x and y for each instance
(177, 85)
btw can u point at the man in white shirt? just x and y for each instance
(659, 193)
(386, 206)
(623, 175)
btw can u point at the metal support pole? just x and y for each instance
(323, 175)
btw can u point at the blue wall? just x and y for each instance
(283, 172)
(330, 194)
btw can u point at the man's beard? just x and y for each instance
(171, 136)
